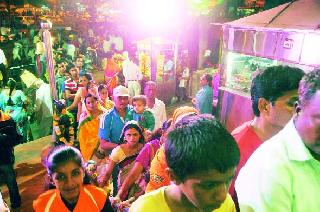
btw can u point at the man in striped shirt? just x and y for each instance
(72, 84)
(71, 87)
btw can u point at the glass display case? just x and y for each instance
(240, 69)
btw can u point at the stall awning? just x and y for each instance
(300, 14)
(289, 32)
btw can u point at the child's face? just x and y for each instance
(207, 190)
(68, 178)
(103, 94)
(138, 106)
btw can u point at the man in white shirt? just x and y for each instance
(283, 174)
(155, 105)
(183, 82)
(44, 109)
(132, 75)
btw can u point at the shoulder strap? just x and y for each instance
(48, 206)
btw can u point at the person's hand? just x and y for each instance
(126, 204)
(147, 135)
(114, 201)
(121, 205)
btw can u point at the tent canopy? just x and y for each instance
(300, 14)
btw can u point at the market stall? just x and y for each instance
(286, 35)
(153, 54)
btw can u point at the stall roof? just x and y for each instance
(300, 14)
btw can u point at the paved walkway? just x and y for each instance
(31, 173)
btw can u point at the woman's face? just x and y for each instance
(203, 80)
(84, 81)
(132, 136)
(91, 103)
(68, 178)
(103, 94)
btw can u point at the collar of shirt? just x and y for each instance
(293, 143)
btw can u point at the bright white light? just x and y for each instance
(197, 1)
(156, 13)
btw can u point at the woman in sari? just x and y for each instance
(111, 73)
(88, 87)
(131, 142)
(105, 104)
(89, 127)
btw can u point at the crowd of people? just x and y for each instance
(131, 157)
(114, 147)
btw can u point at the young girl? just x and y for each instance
(65, 167)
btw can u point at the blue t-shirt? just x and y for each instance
(111, 125)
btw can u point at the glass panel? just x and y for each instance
(240, 68)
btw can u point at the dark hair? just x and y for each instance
(158, 132)
(272, 83)
(62, 154)
(309, 85)
(61, 61)
(200, 143)
(72, 68)
(141, 98)
(88, 96)
(59, 105)
(12, 85)
(209, 79)
(86, 75)
(101, 87)
(132, 125)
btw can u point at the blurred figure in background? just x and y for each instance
(204, 97)
(8, 139)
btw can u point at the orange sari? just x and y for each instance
(111, 75)
(88, 134)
